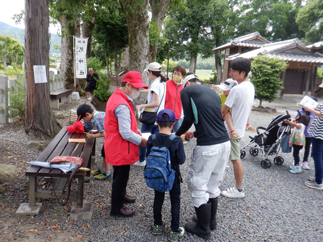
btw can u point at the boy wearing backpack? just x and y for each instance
(166, 120)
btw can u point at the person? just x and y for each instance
(173, 99)
(122, 139)
(240, 101)
(308, 137)
(226, 87)
(155, 102)
(297, 139)
(166, 120)
(87, 114)
(91, 83)
(317, 147)
(202, 106)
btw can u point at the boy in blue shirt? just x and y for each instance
(166, 120)
(87, 114)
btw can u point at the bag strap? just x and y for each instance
(162, 98)
(170, 140)
(154, 140)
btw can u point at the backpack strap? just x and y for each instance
(154, 140)
(170, 140)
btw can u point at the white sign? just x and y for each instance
(40, 74)
(80, 57)
(309, 102)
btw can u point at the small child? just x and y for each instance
(87, 114)
(297, 139)
(166, 121)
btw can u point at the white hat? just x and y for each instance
(153, 66)
(228, 84)
(189, 77)
(321, 85)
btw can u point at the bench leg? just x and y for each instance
(32, 190)
(80, 192)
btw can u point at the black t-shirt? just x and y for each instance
(210, 129)
(176, 150)
(90, 79)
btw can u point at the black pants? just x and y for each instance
(296, 149)
(307, 148)
(175, 199)
(119, 185)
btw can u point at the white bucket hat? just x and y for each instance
(153, 66)
(227, 85)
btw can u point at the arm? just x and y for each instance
(90, 135)
(150, 105)
(149, 145)
(297, 125)
(313, 111)
(224, 110)
(144, 91)
(180, 153)
(188, 113)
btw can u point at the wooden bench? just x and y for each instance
(60, 146)
(55, 96)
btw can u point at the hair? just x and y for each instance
(181, 69)
(304, 119)
(241, 64)
(123, 84)
(84, 108)
(164, 124)
(158, 74)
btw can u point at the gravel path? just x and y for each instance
(277, 207)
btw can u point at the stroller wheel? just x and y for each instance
(278, 160)
(265, 163)
(254, 151)
(242, 154)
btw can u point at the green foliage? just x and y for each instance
(103, 92)
(95, 63)
(171, 65)
(154, 34)
(17, 99)
(212, 79)
(265, 77)
(11, 51)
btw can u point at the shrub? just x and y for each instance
(103, 92)
(17, 99)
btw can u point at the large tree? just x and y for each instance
(38, 115)
(9, 48)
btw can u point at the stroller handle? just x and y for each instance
(287, 114)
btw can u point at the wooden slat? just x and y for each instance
(32, 171)
(59, 149)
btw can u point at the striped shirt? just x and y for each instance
(316, 128)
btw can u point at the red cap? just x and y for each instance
(134, 78)
(77, 127)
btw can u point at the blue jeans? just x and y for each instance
(317, 154)
(177, 125)
(145, 128)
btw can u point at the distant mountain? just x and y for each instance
(19, 34)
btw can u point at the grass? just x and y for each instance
(204, 75)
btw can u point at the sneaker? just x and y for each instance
(140, 163)
(89, 99)
(235, 136)
(292, 167)
(157, 229)
(101, 177)
(96, 172)
(233, 192)
(305, 165)
(174, 236)
(297, 169)
(312, 178)
(250, 128)
(313, 184)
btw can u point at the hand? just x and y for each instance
(189, 135)
(286, 121)
(143, 142)
(89, 135)
(139, 107)
(139, 132)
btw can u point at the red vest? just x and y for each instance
(118, 151)
(173, 98)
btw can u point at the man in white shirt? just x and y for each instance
(240, 101)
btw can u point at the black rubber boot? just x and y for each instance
(202, 227)
(214, 209)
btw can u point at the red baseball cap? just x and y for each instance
(134, 78)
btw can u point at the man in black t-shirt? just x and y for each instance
(91, 83)
(202, 106)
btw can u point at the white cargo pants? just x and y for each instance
(206, 171)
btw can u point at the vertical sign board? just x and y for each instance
(40, 74)
(80, 57)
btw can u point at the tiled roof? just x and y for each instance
(243, 41)
(317, 45)
(279, 49)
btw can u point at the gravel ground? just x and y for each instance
(277, 207)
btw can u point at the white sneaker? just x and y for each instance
(89, 99)
(233, 192)
(138, 163)
(305, 165)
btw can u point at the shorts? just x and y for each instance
(235, 149)
(90, 88)
(103, 152)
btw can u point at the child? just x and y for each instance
(87, 114)
(297, 139)
(166, 121)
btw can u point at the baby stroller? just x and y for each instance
(268, 141)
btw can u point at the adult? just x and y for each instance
(202, 106)
(316, 130)
(173, 98)
(91, 83)
(239, 101)
(122, 139)
(155, 103)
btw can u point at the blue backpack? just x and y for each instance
(159, 174)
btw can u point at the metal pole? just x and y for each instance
(170, 34)
(74, 63)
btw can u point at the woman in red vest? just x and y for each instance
(173, 97)
(122, 139)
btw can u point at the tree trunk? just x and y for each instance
(77, 27)
(125, 60)
(107, 63)
(260, 103)
(218, 63)
(193, 63)
(119, 66)
(38, 115)
(87, 32)
(116, 66)
(158, 11)
(4, 60)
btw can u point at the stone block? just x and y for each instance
(24, 209)
(54, 104)
(84, 213)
